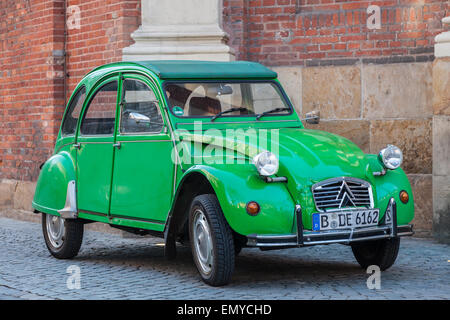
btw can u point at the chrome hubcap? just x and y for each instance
(55, 230)
(203, 242)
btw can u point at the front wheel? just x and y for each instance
(211, 240)
(382, 253)
(62, 237)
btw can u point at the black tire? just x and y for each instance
(222, 266)
(71, 241)
(382, 253)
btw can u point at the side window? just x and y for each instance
(73, 113)
(100, 114)
(140, 112)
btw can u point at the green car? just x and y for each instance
(213, 154)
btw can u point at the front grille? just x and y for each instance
(343, 192)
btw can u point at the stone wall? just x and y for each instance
(16, 194)
(373, 105)
(441, 148)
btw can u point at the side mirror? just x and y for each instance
(313, 117)
(138, 117)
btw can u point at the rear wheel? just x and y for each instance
(62, 237)
(211, 240)
(382, 253)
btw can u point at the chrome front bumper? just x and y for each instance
(387, 229)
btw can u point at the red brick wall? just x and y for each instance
(105, 29)
(31, 83)
(324, 32)
(32, 98)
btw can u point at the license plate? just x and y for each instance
(345, 219)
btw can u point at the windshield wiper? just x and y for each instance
(272, 111)
(228, 111)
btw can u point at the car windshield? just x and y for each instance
(224, 99)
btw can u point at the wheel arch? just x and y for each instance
(192, 184)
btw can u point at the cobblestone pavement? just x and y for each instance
(113, 267)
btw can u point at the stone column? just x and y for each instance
(178, 30)
(441, 136)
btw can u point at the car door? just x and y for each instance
(143, 170)
(95, 149)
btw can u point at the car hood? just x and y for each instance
(317, 155)
(304, 154)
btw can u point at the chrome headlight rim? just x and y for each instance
(391, 157)
(266, 163)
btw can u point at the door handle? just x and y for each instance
(117, 145)
(77, 146)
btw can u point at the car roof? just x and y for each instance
(190, 69)
(184, 70)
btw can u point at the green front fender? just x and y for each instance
(51, 187)
(236, 185)
(389, 186)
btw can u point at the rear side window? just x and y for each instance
(100, 115)
(73, 113)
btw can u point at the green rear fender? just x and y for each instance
(235, 185)
(51, 188)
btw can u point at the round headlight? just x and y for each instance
(391, 156)
(266, 163)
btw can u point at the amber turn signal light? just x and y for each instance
(404, 196)
(252, 208)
